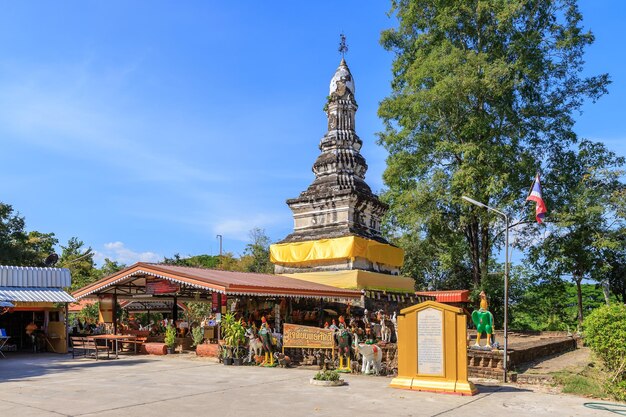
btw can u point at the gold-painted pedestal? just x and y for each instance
(444, 366)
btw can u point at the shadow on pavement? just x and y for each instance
(492, 389)
(21, 366)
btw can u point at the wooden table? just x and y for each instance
(115, 339)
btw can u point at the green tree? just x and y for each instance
(256, 256)
(483, 94)
(590, 221)
(19, 247)
(79, 260)
(110, 267)
(197, 261)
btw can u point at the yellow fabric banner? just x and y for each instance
(348, 247)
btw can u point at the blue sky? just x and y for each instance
(146, 128)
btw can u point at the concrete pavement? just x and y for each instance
(183, 385)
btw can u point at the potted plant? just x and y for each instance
(237, 338)
(327, 378)
(197, 334)
(234, 336)
(228, 320)
(170, 338)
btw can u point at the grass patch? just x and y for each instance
(589, 382)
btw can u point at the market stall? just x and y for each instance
(37, 319)
(249, 296)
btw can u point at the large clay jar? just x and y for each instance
(208, 350)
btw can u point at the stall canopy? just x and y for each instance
(145, 280)
(30, 284)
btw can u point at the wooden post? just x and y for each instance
(175, 310)
(114, 314)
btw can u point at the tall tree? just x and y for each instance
(79, 260)
(110, 267)
(19, 247)
(589, 225)
(483, 94)
(256, 256)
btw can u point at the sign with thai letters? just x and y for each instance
(296, 336)
(430, 350)
(161, 286)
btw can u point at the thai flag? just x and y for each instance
(535, 195)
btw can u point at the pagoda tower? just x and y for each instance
(337, 219)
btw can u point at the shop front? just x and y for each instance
(36, 321)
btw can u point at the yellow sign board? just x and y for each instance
(432, 349)
(296, 336)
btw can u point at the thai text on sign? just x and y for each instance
(296, 336)
(161, 286)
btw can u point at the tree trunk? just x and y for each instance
(579, 296)
(484, 253)
(606, 290)
(474, 244)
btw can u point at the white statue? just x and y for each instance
(372, 358)
(255, 345)
(385, 331)
(394, 320)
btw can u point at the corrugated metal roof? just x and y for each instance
(450, 296)
(27, 276)
(41, 295)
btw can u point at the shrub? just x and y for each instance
(327, 376)
(605, 334)
(197, 334)
(170, 336)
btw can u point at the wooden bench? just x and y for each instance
(138, 343)
(87, 345)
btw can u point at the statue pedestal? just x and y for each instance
(432, 350)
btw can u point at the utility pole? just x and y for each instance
(220, 238)
(506, 279)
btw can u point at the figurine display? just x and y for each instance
(483, 320)
(255, 345)
(265, 334)
(344, 341)
(372, 358)
(385, 331)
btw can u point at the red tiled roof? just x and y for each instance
(452, 296)
(226, 282)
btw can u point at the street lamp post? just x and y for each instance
(506, 277)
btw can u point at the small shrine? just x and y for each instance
(337, 235)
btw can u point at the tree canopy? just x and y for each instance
(483, 96)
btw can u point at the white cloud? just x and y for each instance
(117, 251)
(239, 228)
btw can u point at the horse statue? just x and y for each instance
(372, 358)
(255, 345)
(385, 331)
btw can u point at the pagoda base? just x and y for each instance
(360, 280)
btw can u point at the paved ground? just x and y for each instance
(53, 385)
